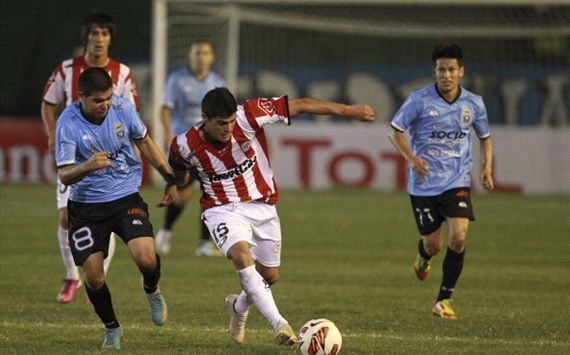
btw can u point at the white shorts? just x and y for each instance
(254, 222)
(62, 192)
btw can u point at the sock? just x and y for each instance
(71, 269)
(150, 279)
(423, 251)
(204, 232)
(242, 303)
(111, 253)
(452, 266)
(259, 293)
(172, 213)
(101, 301)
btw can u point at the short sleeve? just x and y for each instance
(176, 152)
(262, 111)
(408, 112)
(170, 91)
(54, 90)
(481, 121)
(65, 147)
(137, 128)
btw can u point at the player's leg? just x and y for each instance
(72, 281)
(428, 221)
(163, 238)
(456, 206)
(134, 227)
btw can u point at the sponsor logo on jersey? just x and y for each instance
(448, 135)
(433, 113)
(237, 171)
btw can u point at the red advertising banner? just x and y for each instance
(24, 156)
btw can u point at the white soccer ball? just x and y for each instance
(320, 337)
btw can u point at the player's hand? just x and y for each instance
(487, 179)
(170, 195)
(419, 166)
(99, 160)
(361, 112)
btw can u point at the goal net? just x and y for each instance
(516, 52)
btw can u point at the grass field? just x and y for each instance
(347, 256)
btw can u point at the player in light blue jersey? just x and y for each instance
(96, 158)
(439, 119)
(182, 109)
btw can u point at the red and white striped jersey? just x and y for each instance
(62, 85)
(240, 171)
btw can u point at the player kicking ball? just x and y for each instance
(228, 155)
(96, 158)
(439, 118)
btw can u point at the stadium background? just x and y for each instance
(344, 214)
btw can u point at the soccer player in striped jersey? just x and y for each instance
(228, 154)
(96, 158)
(439, 119)
(97, 35)
(185, 89)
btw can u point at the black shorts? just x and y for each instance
(91, 224)
(431, 211)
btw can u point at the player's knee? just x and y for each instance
(432, 246)
(95, 282)
(146, 264)
(457, 244)
(271, 276)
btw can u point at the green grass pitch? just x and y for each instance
(347, 256)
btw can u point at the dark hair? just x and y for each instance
(94, 80)
(219, 102)
(446, 50)
(103, 20)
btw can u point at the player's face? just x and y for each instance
(220, 129)
(96, 105)
(201, 57)
(447, 73)
(98, 41)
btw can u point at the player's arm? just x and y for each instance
(154, 157)
(70, 174)
(400, 142)
(166, 120)
(487, 170)
(49, 117)
(321, 107)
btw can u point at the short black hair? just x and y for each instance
(219, 102)
(94, 80)
(100, 19)
(446, 50)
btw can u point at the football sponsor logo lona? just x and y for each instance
(237, 171)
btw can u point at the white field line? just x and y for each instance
(347, 335)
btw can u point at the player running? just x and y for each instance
(228, 154)
(97, 34)
(439, 119)
(96, 158)
(180, 110)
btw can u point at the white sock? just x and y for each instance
(259, 293)
(70, 267)
(242, 302)
(110, 254)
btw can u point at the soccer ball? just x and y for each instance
(320, 337)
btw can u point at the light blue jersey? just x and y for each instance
(184, 94)
(77, 140)
(440, 133)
